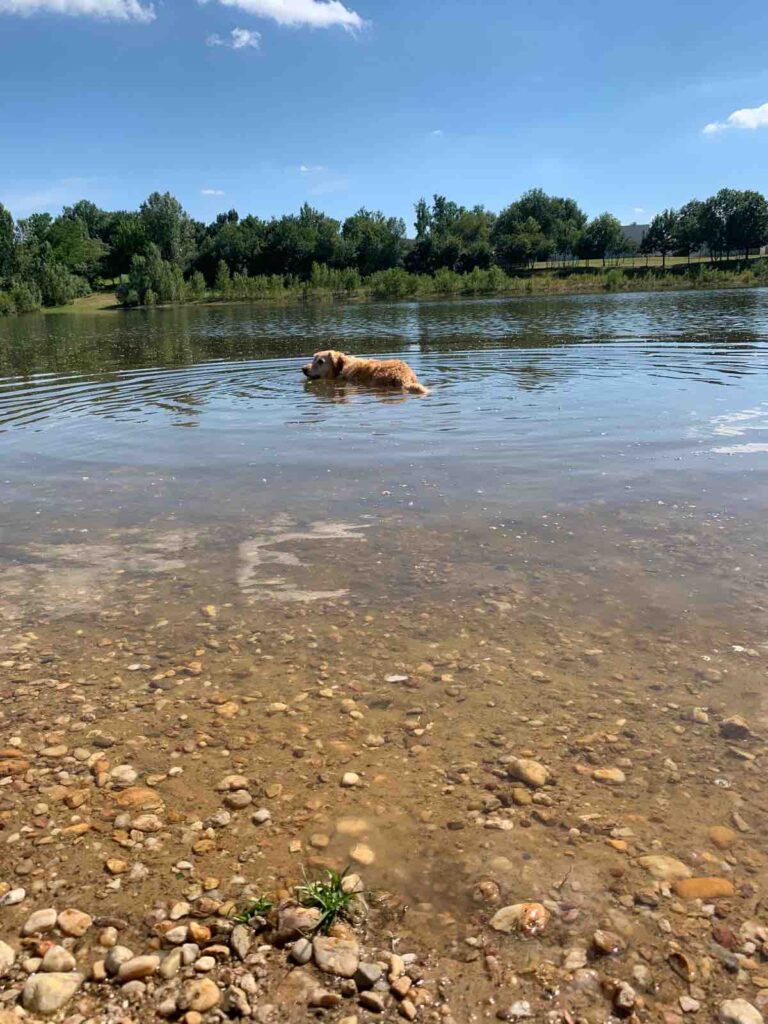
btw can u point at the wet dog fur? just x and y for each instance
(386, 373)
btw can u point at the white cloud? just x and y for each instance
(298, 13)
(638, 209)
(240, 39)
(212, 192)
(311, 169)
(748, 118)
(110, 10)
(437, 131)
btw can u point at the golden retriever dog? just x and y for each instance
(386, 373)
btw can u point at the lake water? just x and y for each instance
(565, 539)
(571, 434)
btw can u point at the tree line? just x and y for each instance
(159, 253)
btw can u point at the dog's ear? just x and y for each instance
(338, 363)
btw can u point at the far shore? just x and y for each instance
(539, 282)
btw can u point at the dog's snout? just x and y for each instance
(305, 370)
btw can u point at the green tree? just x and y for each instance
(7, 243)
(689, 237)
(523, 243)
(747, 221)
(73, 246)
(375, 242)
(223, 281)
(125, 237)
(95, 220)
(716, 213)
(169, 227)
(450, 236)
(560, 224)
(661, 236)
(601, 238)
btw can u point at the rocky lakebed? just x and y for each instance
(546, 822)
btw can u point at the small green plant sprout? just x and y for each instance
(258, 907)
(330, 896)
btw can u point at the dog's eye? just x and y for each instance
(320, 362)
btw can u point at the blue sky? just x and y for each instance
(263, 104)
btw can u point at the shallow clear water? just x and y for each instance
(572, 406)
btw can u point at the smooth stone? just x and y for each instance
(147, 823)
(47, 993)
(179, 910)
(7, 958)
(350, 779)
(40, 921)
(609, 776)
(532, 773)
(238, 799)
(240, 940)
(115, 957)
(138, 967)
(199, 996)
(171, 965)
(372, 1001)
(261, 817)
(664, 868)
(294, 922)
(74, 923)
(336, 956)
(124, 775)
(735, 728)
(13, 897)
(575, 959)
(367, 975)
(738, 1011)
(528, 918)
(721, 837)
(57, 960)
(704, 888)
(301, 951)
(362, 854)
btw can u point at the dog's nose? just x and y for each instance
(305, 370)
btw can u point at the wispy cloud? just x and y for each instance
(437, 131)
(106, 10)
(748, 118)
(47, 197)
(301, 13)
(239, 39)
(321, 180)
(638, 209)
(212, 192)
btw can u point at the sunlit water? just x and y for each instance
(597, 418)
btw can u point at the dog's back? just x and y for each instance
(392, 373)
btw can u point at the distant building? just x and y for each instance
(635, 233)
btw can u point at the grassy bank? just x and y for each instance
(328, 285)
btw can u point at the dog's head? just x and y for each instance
(325, 365)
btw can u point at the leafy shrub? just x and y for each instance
(614, 280)
(393, 284)
(26, 297)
